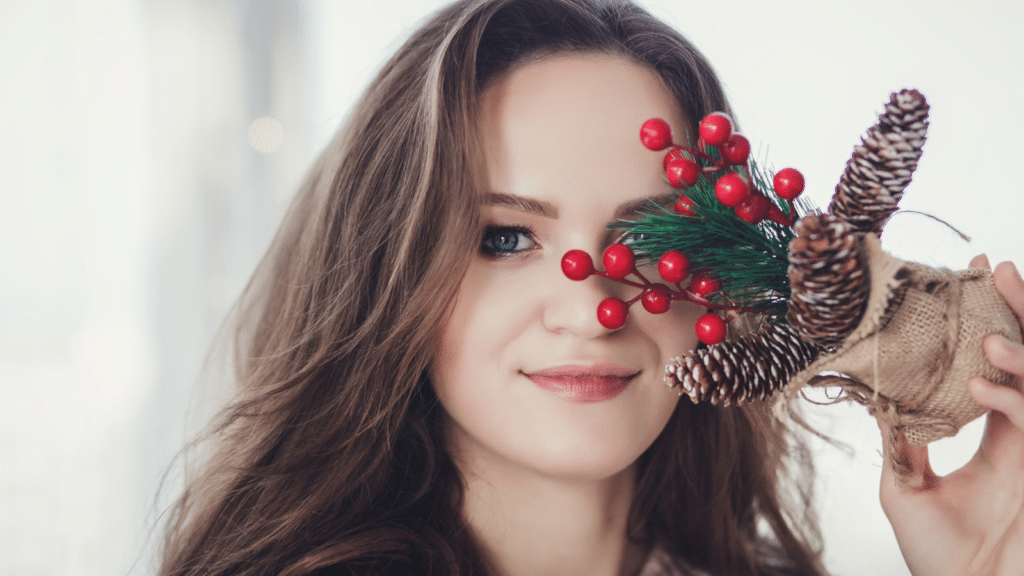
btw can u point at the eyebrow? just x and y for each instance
(632, 207)
(522, 204)
(548, 210)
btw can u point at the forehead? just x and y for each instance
(565, 120)
(590, 82)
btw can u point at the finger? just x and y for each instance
(1003, 399)
(1011, 287)
(920, 466)
(1004, 354)
(914, 458)
(979, 261)
(890, 488)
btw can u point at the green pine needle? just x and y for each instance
(750, 261)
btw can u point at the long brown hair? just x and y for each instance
(330, 460)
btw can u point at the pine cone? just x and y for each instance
(881, 167)
(748, 368)
(827, 279)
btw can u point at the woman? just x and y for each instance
(422, 392)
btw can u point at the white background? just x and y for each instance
(133, 210)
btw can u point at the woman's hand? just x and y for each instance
(970, 522)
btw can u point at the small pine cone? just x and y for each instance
(748, 368)
(882, 165)
(827, 278)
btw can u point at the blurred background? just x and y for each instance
(148, 149)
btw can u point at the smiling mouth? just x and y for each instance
(584, 384)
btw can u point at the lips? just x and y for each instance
(584, 383)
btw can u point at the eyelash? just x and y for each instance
(629, 239)
(491, 233)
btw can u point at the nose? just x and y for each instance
(571, 306)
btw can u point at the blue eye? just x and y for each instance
(506, 240)
(629, 239)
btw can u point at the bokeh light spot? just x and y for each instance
(266, 135)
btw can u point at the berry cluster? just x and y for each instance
(673, 267)
(684, 166)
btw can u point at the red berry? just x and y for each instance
(715, 128)
(710, 329)
(788, 183)
(682, 173)
(656, 134)
(674, 266)
(731, 189)
(672, 154)
(655, 299)
(753, 209)
(611, 313)
(777, 215)
(702, 285)
(577, 265)
(736, 150)
(618, 261)
(684, 205)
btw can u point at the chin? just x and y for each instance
(588, 453)
(588, 469)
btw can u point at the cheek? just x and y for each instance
(488, 315)
(673, 331)
(671, 334)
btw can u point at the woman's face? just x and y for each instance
(526, 373)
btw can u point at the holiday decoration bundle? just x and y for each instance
(831, 308)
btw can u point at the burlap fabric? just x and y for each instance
(916, 346)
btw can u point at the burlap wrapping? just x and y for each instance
(916, 346)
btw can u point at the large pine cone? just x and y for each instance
(827, 279)
(735, 371)
(882, 165)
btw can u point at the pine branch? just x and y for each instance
(749, 260)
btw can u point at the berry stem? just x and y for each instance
(647, 283)
(604, 274)
(633, 284)
(784, 219)
(679, 293)
(716, 163)
(704, 302)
